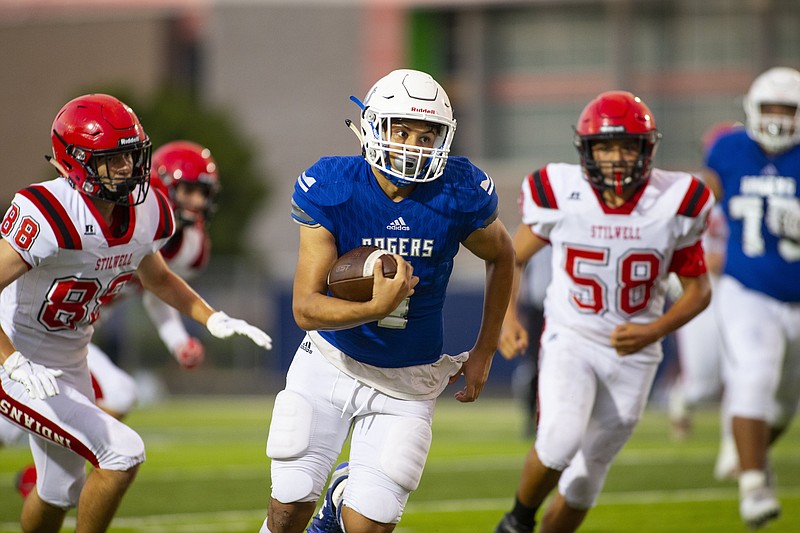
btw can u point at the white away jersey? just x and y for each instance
(77, 265)
(611, 265)
(188, 251)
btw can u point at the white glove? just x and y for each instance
(783, 217)
(190, 354)
(39, 380)
(674, 287)
(222, 326)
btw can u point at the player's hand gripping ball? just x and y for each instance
(351, 276)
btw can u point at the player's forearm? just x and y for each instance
(174, 291)
(500, 280)
(6, 347)
(513, 300)
(320, 312)
(167, 321)
(695, 298)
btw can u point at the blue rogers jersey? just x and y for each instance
(759, 259)
(342, 195)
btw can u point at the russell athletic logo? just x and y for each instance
(398, 224)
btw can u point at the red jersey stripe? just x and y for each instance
(541, 190)
(55, 214)
(695, 198)
(23, 416)
(166, 224)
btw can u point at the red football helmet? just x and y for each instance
(616, 115)
(190, 166)
(90, 132)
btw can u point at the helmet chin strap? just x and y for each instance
(354, 129)
(58, 166)
(397, 182)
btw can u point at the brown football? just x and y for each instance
(350, 277)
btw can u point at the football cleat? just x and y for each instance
(758, 504)
(327, 520)
(25, 481)
(510, 524)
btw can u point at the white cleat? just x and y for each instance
(757, 504)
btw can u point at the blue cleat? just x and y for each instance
(327, 520)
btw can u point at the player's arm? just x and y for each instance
(513, 335)
(157, 278)
(314, 310)
(187, 350)
(630, 338)
(39, 381)
(493, 245)
(11, 267)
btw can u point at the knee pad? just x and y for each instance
(290, 428)
(65, 497)
(124, 450)
(556, 450)
(61, 474)
(290, 485)
(405, 452)
(582, 482)
(377, 503)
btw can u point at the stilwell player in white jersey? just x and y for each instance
(69, 246)
(617, 228)
(187, 174)
(758, 296)
(373, 370)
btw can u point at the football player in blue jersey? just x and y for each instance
(758, 296)
(374, 369)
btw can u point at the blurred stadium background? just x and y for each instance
(275, 76)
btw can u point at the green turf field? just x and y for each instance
(206, 472)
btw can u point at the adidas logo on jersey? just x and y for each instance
(398, 224)
(306, 346)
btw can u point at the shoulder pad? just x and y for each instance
(330, 180)
(695, 198)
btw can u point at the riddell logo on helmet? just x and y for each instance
(423, 110)
(128, 140)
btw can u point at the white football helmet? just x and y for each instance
(406, 94)
(774, 132)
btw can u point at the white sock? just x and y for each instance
(264, 528)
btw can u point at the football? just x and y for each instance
(350, 277)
